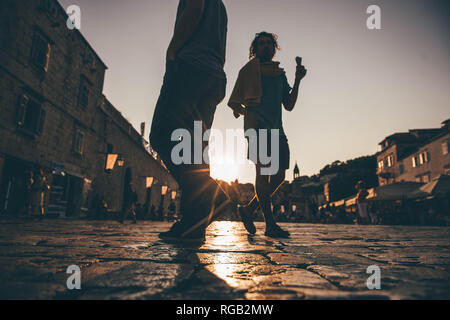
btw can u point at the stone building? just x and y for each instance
(55, 117)
(419, 155)
(117, 137)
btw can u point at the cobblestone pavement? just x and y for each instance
(130, 262)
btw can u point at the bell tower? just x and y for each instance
(296, 172)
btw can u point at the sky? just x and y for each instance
(362, 85)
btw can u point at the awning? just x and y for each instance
(395, 191)
(439, 186)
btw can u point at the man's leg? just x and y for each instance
(208, 195)
(183, 100)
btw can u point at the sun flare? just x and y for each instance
(224, 168)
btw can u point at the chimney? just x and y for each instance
(142, 129)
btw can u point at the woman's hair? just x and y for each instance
(253, 47)
(360, 184)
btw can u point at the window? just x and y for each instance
(89, 60)
(421, 159)
(381, 164)
(40, 52)
(444, 146)
(415, 161)
(424, 157)
(402, 169)
(425, 178)
(30, 115)
(83, 94)
(390, 161)
(78, 144)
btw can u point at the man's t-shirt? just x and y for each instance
(269, 113)
(207, 47)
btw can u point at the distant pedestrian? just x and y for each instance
(361, 202)
(38, 192)
(100, 207)
(152, 213)
(372, 213)
(29, 180)
(129, 203)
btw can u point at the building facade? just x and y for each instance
(419, 155)
(55, 117)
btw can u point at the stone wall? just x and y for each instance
(63, 102)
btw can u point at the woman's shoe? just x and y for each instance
(275, 231)
(247, 220)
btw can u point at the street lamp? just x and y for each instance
(110, 161)
(149, 182)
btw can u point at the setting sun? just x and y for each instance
(224, 168)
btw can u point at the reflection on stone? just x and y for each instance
(131, 262)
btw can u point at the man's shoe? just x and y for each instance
(247, 220)
(275, 231)
(182, 231)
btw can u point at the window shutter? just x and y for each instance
(34, 48)
(79, 142)
(40, 52)
(41, 121)
(21, 109)
(78, 145)
(47, 56)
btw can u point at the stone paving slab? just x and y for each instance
(130, 262)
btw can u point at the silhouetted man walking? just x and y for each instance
(194, 84)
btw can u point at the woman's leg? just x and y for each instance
(265, 187)
(274, 183)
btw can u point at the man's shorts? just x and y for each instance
(283, 151)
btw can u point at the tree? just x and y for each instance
(348, 174)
